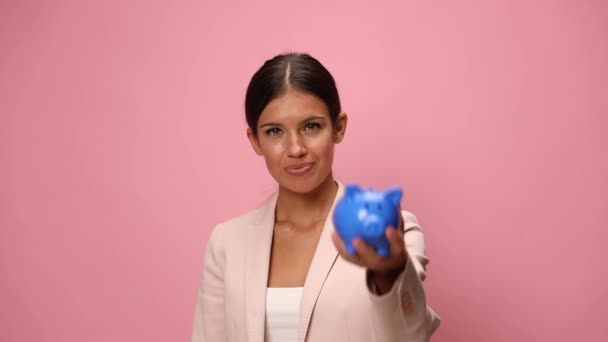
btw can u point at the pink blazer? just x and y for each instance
(337, 304)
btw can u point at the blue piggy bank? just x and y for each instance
(366, 213)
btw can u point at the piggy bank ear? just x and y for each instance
(394, 195)
(352, 190)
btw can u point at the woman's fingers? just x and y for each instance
(395, 239)
(338, 242)
(368, 257)
(341, 247)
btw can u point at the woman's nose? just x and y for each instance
(296, 146)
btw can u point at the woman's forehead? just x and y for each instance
(293, 107)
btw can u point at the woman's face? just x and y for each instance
(296, 138)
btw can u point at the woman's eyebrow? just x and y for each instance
(310, 118)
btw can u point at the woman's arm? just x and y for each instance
(399, 311)
(208, 323)
(401, 314)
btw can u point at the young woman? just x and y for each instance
(280, 273)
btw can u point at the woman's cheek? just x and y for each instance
(274, 147)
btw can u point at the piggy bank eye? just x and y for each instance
(379, 206)
(366, 205)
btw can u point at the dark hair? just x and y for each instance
(297, 71)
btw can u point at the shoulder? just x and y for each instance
(410, 221)
(234, 227)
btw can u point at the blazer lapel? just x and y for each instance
(322, 262)
(259, 237)
(259, 242)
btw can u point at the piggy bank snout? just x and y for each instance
(373, 226)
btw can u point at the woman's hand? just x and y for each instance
(384, 270)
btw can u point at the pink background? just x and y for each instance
(122, 142)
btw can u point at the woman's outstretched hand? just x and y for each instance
(384, 270)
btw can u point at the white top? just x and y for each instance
(282, 314)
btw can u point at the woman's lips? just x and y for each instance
(299, 169)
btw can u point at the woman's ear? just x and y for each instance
(340, 129)
(253, 140)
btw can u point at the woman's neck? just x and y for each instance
(305, 209)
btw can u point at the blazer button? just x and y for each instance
(406, 302)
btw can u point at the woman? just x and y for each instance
(273, 274)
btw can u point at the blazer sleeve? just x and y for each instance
(208, 325)
(402, 314)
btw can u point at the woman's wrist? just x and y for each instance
(384, 281)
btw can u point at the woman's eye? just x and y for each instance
(273, 131)
(313, 125)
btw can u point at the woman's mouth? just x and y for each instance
(299, 169)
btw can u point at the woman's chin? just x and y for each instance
(302, 185)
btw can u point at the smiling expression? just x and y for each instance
(296, 137)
